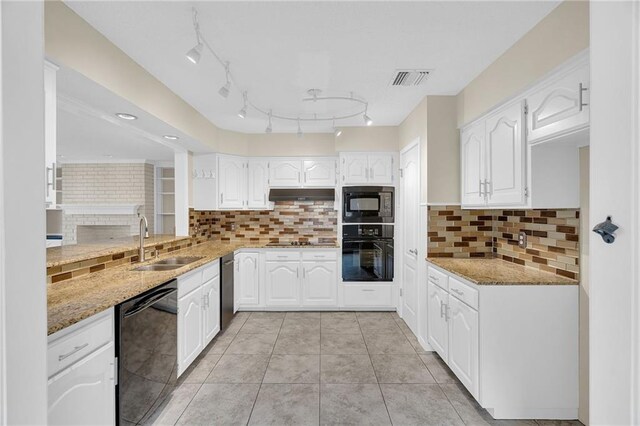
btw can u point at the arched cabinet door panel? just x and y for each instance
(473, 165)
(463, 344)
(282, 283)
(319, 283)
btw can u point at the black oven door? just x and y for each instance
(364, 260)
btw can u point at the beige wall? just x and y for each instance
(583, 365)
(443, 150)
(368, 139)
(284, 144)
(560, 35)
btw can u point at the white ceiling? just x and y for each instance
(279, 50)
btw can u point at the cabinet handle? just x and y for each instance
(480, 187)
(370, 172)
(221, 197)
(488, 188)
(582, 89)
(297, 272)
(441, 309)
(433, 279)
(367, 290)
(446, 312)
(68, 354)
(458, 292)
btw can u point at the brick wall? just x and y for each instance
(553, 236)
(107, 183)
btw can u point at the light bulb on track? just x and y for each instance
(300, 134)
(195, 53)
(269, 129)
(243, 112)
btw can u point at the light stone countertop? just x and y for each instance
(494, 271)
(71, 301)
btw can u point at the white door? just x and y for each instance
(463, 343)
(438, 330)
(204, 182)
(319, 284)
(559, 108)
(319, 173)
(409, 210)
(84, 394)
(473, 165)
(285, 173)
(258, 184)
(248, 284)
(282, 283)
(211, 309)
(190, 334)
(355, 169)
(380, 169)
(50, 132)
(505, 153)
(232, 182)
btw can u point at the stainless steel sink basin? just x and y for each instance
(169, 264)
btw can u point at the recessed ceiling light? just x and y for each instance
(126, 116)
(171, 137)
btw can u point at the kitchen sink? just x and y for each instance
(169, 264)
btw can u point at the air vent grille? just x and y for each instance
(410, 77)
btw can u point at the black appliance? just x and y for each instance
(227, 264)
(367, 204)
(146, 349)
(367, 253)
(302, 194)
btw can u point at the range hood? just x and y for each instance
(302, 194)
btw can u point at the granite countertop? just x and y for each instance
(493, 271)
(63, 255)
(71, 301)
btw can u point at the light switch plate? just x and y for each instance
(522, 239)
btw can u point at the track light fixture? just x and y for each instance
(367, 120)
(269, 129)
(194, 54)
(243, 112)
(224, 90)
(337, 132)
(300, 134)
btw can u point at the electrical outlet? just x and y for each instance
(522, 239)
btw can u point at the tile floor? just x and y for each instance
(320, 368)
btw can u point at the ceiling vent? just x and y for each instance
(410, 77)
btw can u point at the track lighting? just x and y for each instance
(194, 54)
(224, 90)
(337, 132)
(126, 116)
(243, 112)
(269, 129)
(300, 134)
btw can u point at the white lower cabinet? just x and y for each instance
(463, 343)
(198, 312)
(319, 283)
(82, 370)
(437, 323)
(282, 283)
(367, 295)
(247, 279)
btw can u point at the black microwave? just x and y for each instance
(367, 204)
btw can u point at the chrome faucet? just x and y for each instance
(144, 233)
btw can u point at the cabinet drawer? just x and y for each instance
(463, 292)
(211, 270)
(282, 255)
(437, 277)
(319, 255)
(189, 282)
(80, 342)
(367, 295)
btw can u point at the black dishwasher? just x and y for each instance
(146, 347)
(226, 291)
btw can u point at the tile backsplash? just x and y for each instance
(312, 221)
(552, 236)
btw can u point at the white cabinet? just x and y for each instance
(493, 159)
(247, 279)
(198, 312)
(232, 178)
(50, 131)
(463, 343)
(285, 173)
(205, 184)
(319, 173)
(559, 107)
(358, 168)
(258, 184)
(82, 371)
(282, 283)
(438, 330)
(319, 283)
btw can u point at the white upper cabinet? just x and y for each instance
(319, 173)
(258, 188)
(232, 182)
(204, 182)
(373, 169)
(504, 140)
(285, 173)
(473, 165)
(50, 126)
(559, 107)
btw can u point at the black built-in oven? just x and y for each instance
(367, 204)
(367, 253)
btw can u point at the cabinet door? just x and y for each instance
(472, 165)
(381, 169)
(319, 173)
(505, 153)
(211, 309)
(248, 279)
(355, 169)
(463, 344)
(84, 394)
(204, 182)
(285, 173)
(190, 334)
(438, 332)
(282, 284)
(559, 108)
(258, 187)
(319, 283)
(231, 182)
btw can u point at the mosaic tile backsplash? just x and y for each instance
(552, 236)
(306, 221)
